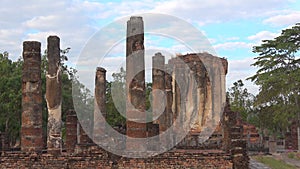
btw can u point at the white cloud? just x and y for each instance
(42, 22)
(40, 36)
(241, 65)
(87, 69)
(77, 20)
(241, 69)
(233, 45)
(232, 38)
(263, 35)
(212, 40)
(290, 18)
(218, 10)
(36, 20)
(9, 39)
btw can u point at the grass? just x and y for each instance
(273, 163)
(294, 155)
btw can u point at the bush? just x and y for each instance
(291, 155)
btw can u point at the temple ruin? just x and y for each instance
(32, 130)
(54, 96)
(135, 83)
(191, 92)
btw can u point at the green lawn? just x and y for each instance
(273, 163)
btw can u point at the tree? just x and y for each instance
(10, 97)
(11, 93)
(278, 78)
(241, 100)
(115, 99)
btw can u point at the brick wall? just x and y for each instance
(173, 159)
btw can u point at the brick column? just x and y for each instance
(178, 92)
(71, 131)
(100, 88)
(228, 121)
(169, 98)
(31, 129)
(239, 148)
(135, 83)
(159, 102)
(233, 142)
(158, 91)
(53, 96)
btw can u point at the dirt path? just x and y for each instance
(257, 165)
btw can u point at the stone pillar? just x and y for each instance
(71, 131)
(100, 88)
(175, 91)
(31, 129)
(169, 98)
(238, 148)
(53, 96)
(217, 88)
(158, 91)
(178, 91)
(135, 84)
(223, 78)
(228, 121)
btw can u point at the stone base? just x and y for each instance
(211, 159)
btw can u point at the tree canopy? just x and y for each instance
(278, 78)
(11, 93)
(10, 96)
(241, 100)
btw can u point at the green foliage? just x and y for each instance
(114, 117)
(10, 96)
(116, 99)
(294, 155)
(11, 93)
(278, 78)
(291, 155)
(273, 163)
(241, 101)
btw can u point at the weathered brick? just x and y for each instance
(31, 138)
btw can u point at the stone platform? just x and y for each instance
(208, 159)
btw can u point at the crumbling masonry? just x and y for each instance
(224, 148)
(32, 130)
(54, 96)
(100, 99)
(135, 84)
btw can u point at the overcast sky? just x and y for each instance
(232, 27)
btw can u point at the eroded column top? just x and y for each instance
(100, 69)
(31, 45)
(135, 26)
(53, 38)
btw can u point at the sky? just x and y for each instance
(231, 27)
